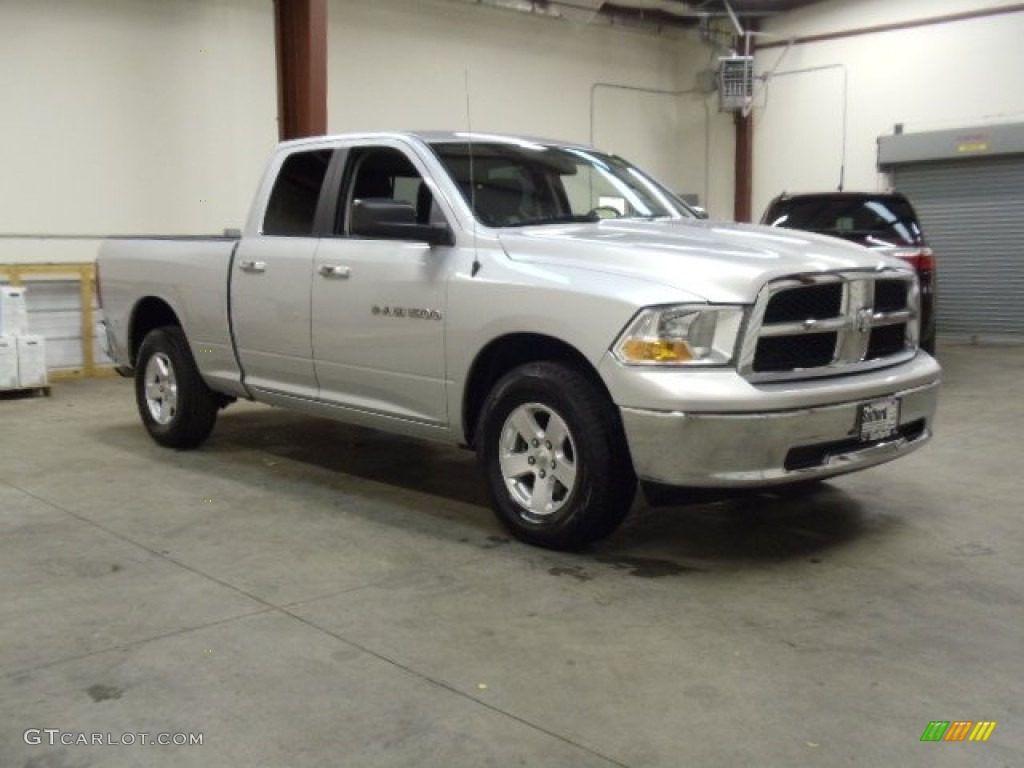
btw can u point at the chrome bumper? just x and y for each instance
(724, 450)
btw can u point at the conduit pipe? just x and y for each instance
(899, 25)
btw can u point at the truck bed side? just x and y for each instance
(148, 282)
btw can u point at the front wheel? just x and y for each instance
(177, 408)
(554, 456)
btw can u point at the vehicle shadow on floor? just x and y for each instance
(414, 465)
(770, 526)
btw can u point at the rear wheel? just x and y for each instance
(554, 457)
(177, 408)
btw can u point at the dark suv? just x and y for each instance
(882, 221)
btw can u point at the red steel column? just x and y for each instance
(744, 165)
(744, 162)
(301, 31)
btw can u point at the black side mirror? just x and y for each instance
(392, 220)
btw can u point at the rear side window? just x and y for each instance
(292, 205)
(871, 221)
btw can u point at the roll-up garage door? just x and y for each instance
(972, 214)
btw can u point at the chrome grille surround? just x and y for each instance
(852, 326)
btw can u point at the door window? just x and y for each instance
(292, 205)
(386, 174)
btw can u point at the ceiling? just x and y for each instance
(658, 13)
(757, 6)
(690, 13)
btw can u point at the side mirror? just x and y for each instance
(701, 213)
(393, 220)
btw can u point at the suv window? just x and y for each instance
(871, 220)
(292, 205)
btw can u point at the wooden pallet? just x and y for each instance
(85, 274)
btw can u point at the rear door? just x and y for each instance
(379, 305)
(270, 287)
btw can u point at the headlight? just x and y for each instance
(681, 335)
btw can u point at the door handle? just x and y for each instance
(335, 270)
(249, 265)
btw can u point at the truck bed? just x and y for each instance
(189, 274)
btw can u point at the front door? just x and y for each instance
(379, 305)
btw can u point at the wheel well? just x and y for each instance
(508, 352)
(150, 313)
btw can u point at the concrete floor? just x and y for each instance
(305, 594)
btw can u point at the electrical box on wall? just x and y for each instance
(735, 82)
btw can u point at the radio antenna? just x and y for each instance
(472, 180)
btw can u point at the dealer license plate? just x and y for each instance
(879, 419)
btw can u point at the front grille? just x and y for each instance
(787, 353)
(815, 302)
(887, 340)
(890, 295)
(831, 324)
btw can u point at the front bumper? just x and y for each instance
(751, 448)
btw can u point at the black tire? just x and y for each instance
(583, 477)
(179, 410)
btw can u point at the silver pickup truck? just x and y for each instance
(549, 306)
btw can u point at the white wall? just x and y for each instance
(961, 73)
(401, 64)
(130, 116)
(141, 116)
(135, 116)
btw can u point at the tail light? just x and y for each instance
(921, 259)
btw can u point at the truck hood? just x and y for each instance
(721, 262)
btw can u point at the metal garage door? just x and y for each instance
(972, 213)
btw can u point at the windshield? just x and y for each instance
(872, 221)
(520, 184)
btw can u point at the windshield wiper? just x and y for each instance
(584, 218)
(573, 218)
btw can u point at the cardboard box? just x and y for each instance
(32, 361)
(13, 311)
(8, 363)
